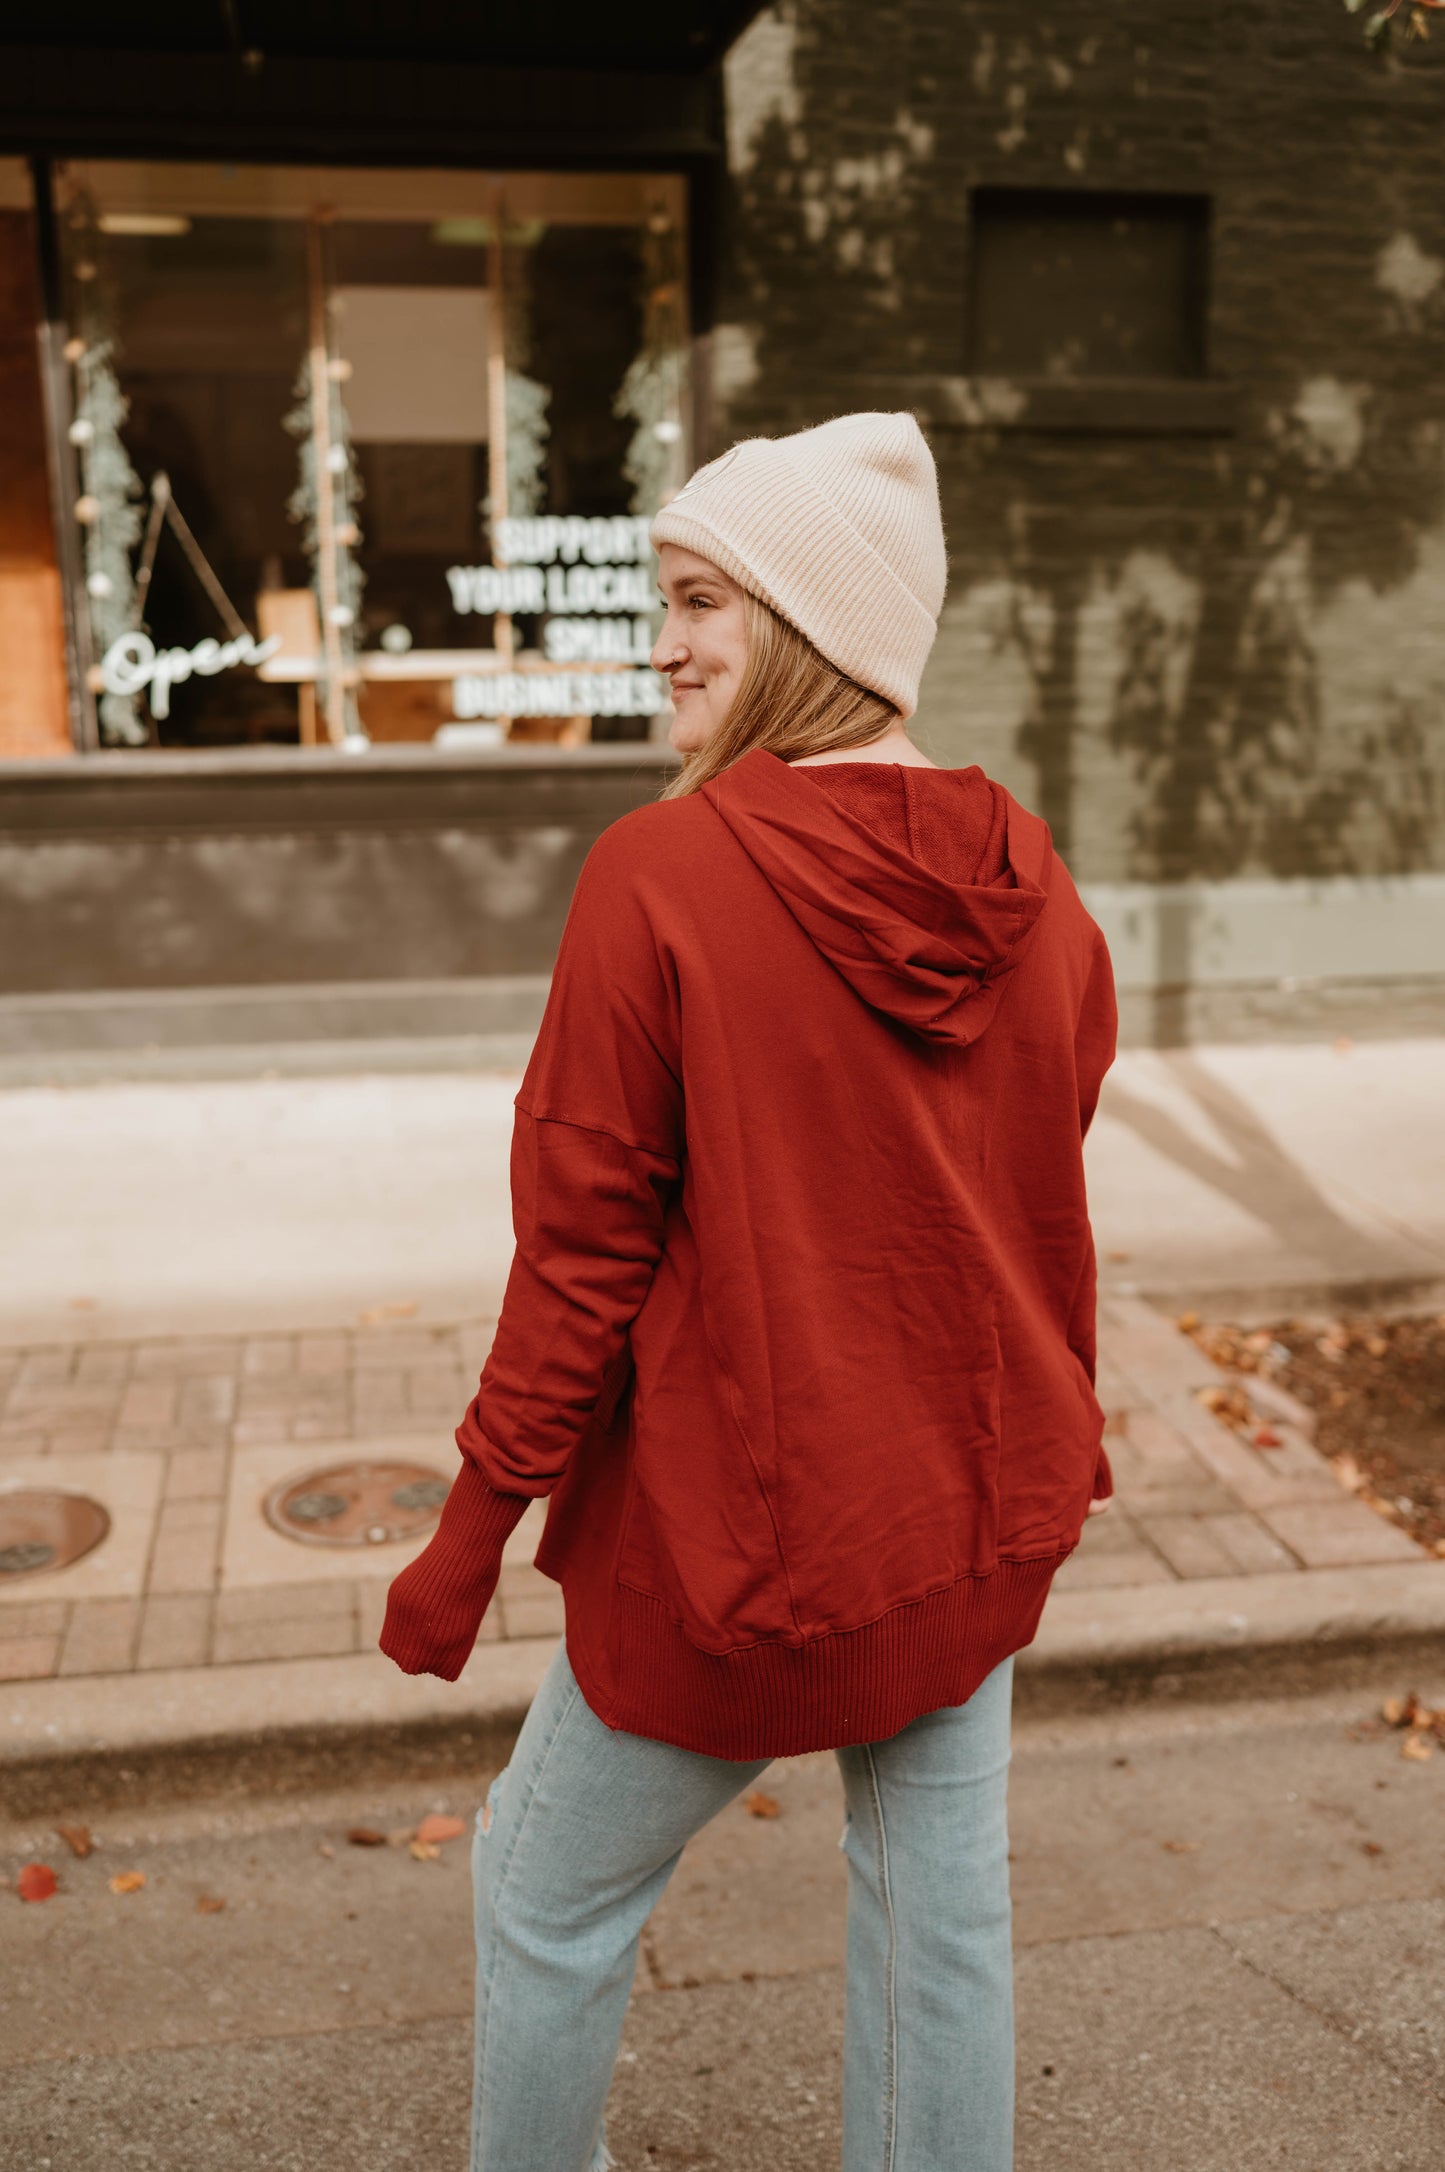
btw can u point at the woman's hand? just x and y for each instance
(1096, 1508)
(435, 1606)
(433, 1615)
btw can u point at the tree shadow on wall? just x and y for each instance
(1239, 722)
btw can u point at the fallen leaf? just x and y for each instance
(209, 1904)
(1377, 1346)
(1371, 1847)
(1266, 1437)
(401, 1837)
(1187, 1322)
(366, 1836)
(127, 1881)
(1348, 1472)
(759, 1805)
(1417, 1748)
(327, 1850)
(36, 1882)
(1230, 1405)
(1118, 1257)
(425, 1851)
(77, 1838)
(1396, 1711)
(439, 1827)
(1181, 1847)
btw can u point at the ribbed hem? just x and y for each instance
(780, 1700)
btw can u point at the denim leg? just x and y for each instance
(572, 1850)
(929, 2038)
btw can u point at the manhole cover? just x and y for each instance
(47, 1531)
(357, 1504)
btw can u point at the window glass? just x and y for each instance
(371, 456)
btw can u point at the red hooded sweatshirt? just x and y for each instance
(799, 1334)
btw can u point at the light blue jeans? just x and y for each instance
(578, 1838)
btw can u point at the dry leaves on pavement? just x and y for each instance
(36, 1882)
(1367, 1388)
(759, 1805)
(1419, 1723)
(438, 1827)
(77, 1838)
(127, 1881)
(424, 1841)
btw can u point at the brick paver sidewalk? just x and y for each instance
(181, 1440)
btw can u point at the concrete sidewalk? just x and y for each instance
(196, 1626)
(209, 1289)
(1247, 1177)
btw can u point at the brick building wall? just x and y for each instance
(1196, 615)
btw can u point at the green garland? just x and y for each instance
(303, 507)
(108, 508)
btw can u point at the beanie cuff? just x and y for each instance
(763, 522)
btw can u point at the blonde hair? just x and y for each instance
(791, 701)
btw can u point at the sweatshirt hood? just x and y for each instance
(924, 947)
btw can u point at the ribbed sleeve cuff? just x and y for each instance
(435, 1606)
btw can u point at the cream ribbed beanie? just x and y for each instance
(839, 529)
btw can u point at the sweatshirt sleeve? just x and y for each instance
(1096, 1032)
(1095, 1042)
(597, 1153)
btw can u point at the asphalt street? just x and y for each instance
(1230, 1925)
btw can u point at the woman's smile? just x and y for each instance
(703, 645)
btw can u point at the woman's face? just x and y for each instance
(703, 644)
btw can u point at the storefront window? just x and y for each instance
(369, 456)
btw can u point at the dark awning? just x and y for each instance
(493, 83)
(643, 37)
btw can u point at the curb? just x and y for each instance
(318, 1058)
(306, 1722)
(1238, 1636)
(98, 1739)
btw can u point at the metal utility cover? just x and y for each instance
(46, 1530)
(357, 1504)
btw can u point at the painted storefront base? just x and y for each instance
(239, 901)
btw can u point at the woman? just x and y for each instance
(799, 1335)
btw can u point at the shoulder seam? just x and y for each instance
(602, 1131)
